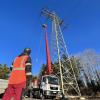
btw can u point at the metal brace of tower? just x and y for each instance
(60, 56)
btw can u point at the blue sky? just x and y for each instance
(20, 27)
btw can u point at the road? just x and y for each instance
(66, 99)
(35, 99)
(90, 98)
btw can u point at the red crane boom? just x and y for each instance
(48, 69)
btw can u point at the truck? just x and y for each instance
(48, 87)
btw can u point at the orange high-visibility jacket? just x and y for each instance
(18, 73)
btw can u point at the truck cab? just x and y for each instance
(49, 86)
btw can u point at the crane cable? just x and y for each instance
(41, 39)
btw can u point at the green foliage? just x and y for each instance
(42, 70)
(67, 64)
(4, 71)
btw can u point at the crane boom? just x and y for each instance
(48, 69)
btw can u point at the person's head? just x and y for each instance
(27, 51)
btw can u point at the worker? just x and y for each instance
(21, 68)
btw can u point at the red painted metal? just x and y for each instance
(49, 69)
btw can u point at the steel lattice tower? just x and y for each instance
(60, 56)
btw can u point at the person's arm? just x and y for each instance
(11, 67)
(28, 68)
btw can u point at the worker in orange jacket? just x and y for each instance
(17, 81)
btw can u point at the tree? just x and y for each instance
(89, 63)
(4, 71)
(42, 71)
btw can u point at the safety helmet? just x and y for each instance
(27, 51)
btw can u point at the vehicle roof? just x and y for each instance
(49, 75)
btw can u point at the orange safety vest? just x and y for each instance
(18, 73)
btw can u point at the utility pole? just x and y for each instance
(59, 54)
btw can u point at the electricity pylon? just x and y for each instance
(60, 56)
